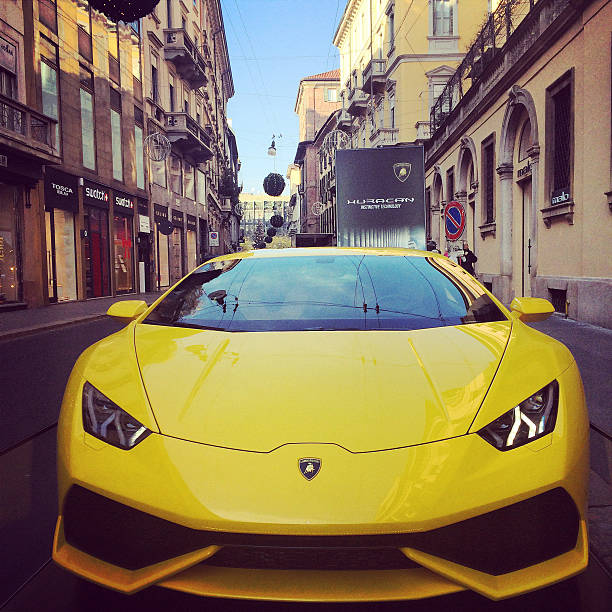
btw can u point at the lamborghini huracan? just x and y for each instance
(325, 425)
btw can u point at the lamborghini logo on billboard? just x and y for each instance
(402, 171)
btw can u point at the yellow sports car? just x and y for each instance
(325, 425)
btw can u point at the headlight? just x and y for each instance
(531, 419)
(105, 420)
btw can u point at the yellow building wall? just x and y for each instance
(571, 253)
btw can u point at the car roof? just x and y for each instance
(325, 251)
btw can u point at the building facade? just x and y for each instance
(81, 196)
(522, 136)
(395, 58)
(318, 97)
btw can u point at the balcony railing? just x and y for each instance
(182, 52)
(357, 102)
(508, 34)
(374, 79)
(27, 126)
(188, 137)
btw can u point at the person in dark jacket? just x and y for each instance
(468, 259)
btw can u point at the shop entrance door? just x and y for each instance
(144, 261)
(61, 255)
(97, 252)
(526, 239)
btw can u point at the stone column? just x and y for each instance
(504, 228)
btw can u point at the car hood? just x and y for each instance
(365, 391)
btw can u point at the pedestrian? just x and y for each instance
(468, 259)
(432, 246)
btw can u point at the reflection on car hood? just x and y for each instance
(365, 391)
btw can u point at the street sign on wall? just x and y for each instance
(454, 220)
(381, 197)
(213, 239)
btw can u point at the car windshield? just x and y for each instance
(326, 292)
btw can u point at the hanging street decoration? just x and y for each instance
(271, 232)
(274, 184)
(124, 10)
(276, 221)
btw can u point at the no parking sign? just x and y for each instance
(213, 239)
(454, 220)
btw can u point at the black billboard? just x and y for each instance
(380, 197)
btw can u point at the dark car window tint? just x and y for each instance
(324, 292)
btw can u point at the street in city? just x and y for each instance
(39, 364)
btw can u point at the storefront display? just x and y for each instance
(177, 247)
(163, 226)
(96, 199)
(10, 273)
(61, 206)
(123, 242)
(192, 253)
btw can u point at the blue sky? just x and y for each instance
(272, 45)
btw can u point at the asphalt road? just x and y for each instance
(32, 388)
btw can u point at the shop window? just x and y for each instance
(163, 274)
(10, 273)
(96, 246)
(488, 176)
(61, 255)
(123, 242)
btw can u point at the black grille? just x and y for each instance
(268, 557)
(497, 542)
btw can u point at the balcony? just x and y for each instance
(187, 137)
(27, 131)
(344, 121)
(374, 78)
(357, 102)
(189, 62)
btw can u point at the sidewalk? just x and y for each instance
(31, 320)
(590, 345)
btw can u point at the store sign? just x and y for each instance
(560, 197)
(524, 171)
(124, 203)
(8, 55)
(160, 212)
(177, 217)
(385, 206)
(213, 239)
(144, 224)
(95, 195)
(61, 190)
(192, 223)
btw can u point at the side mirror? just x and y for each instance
(530, 309)
(127, 310)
